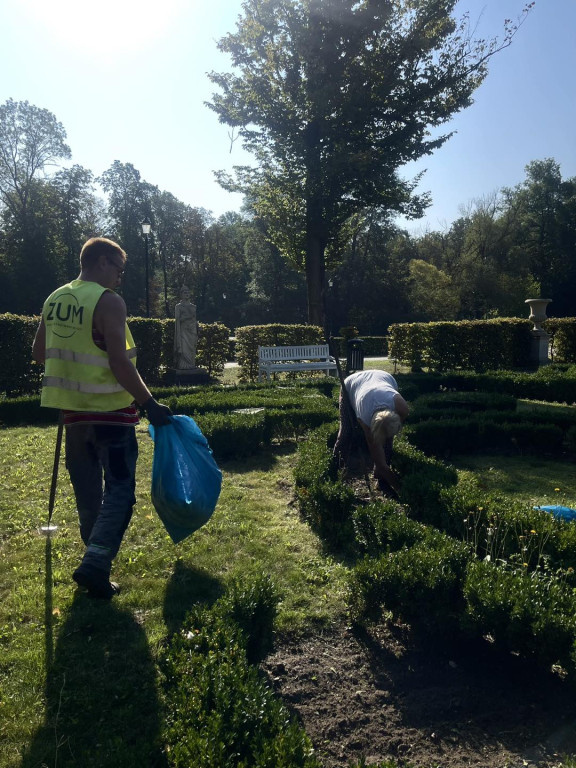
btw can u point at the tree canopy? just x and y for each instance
(516, 243)
(30, 139)
(333, 97)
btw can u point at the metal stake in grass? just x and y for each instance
(50, 527)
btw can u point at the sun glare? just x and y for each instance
(106, 28)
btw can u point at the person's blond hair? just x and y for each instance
(385, 424)
(99, 246)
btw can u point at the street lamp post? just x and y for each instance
(146, 227)
(329, 306)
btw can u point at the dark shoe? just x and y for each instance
(107, 594)
(387, 490)
(96, 581)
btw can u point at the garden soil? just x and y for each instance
(378, 696)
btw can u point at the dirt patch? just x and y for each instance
(377, 696)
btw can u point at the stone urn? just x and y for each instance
(538, 312)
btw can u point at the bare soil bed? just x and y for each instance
(378, 696)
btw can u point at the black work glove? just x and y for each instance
(158, 414)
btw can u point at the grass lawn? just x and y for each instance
(383, 364)
(533, 479)
(525, 478)
(79, 678)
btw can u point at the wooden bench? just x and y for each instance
(304, 357)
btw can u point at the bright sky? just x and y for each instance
(127, 79)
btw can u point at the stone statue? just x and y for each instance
(185, 332)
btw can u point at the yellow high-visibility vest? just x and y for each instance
(77, 375)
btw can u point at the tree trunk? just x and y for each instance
(315, 279)
(315, 228)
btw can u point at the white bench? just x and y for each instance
(304, 357)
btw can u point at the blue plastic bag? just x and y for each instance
(565, 513)
(186, 481)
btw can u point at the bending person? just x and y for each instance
(381, 411)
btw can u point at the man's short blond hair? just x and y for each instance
(385, 425)
(99, 246)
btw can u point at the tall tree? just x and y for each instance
(129, 202)
(545, 236)
(276, 290)
(432, 293)
(333, 97)
(30, 139)
(80, 213)
(32, 259)
(369, 289)
(225, 273)
(171, 217)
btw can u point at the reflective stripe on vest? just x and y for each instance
(81, 386)
(82, 358)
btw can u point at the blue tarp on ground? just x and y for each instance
(563, 512)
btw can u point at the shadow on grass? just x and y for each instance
(263, 460)
(187, 587)
(101, 703)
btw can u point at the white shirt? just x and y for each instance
(371, 391)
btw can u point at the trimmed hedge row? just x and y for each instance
(447, 558)
(551, 383)
(533, 613)
(463, 401)
(562, 332)
(212, 348)
(237, 435)
(154, 339)
(443, 437)
(324, 500)
(220, 710)
(498, 529)
(237, 422)
(460, 422)
(493, 526)
(24, 410)
(529, 414)
(18, 373)
(477, 345)
(444, 593)
(423, 584)
(222, 400)
(149, 339)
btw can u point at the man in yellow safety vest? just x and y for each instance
(90, 374)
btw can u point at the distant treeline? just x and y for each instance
(519, 243)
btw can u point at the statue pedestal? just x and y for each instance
(193, 375)
(539, 338)
(539, 347)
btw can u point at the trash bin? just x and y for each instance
(354, 356)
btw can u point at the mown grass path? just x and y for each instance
(79, 679)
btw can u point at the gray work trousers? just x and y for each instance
(101, 461)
